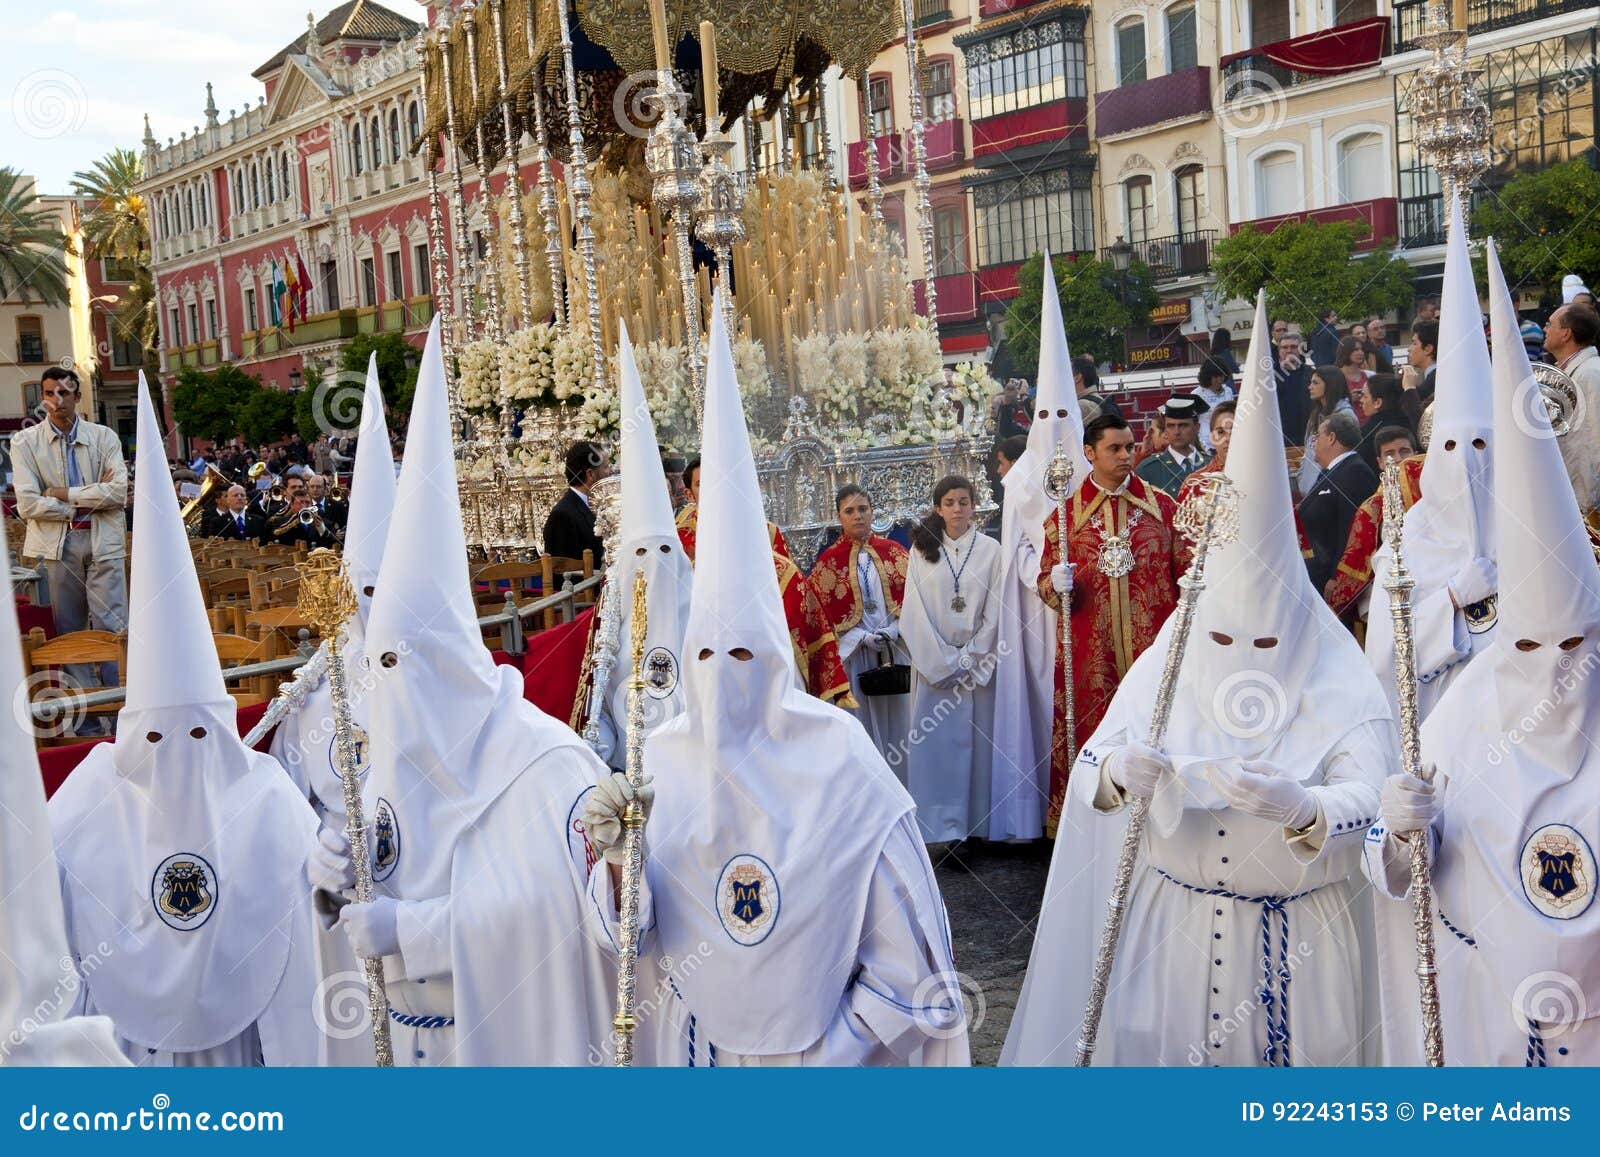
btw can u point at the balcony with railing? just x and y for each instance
(1149, 102)
(957, 295)
(891, 159)
(31, 350)
(1482, 16)
(1380, 215)
(931, 13)
(1181, 255)
(1271, 68)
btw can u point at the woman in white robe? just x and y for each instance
(950, 625)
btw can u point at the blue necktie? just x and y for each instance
(74, 478)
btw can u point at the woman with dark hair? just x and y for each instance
(1387, 405)
(1327, 391)
(949, 622)
(1351, 359)
(1222, 351)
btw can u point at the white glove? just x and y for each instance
(1138, 769)
(373, 928)
(1474, 582)
(1407, 804)
(1259, 788)
(328, 867)
(1061, 577)
(602, 814)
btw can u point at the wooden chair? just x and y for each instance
(235, 650)
(551, 567)
(522, 579)
(274, 588)
(92, 647)
(278, 628)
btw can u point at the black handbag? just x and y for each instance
(889, 679)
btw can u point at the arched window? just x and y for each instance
(1189, 192)
(283, 175)
(1182, 48)
(413, 122)
(1130, 52)
(272, 182)
(1277, 179)
(1141, 211)
(394, 135)
(238, 189)
(255, 185)
(188, 208)
(166, 217)
(1359, 168)
(355, 147)
(374, 143)
(205, 202)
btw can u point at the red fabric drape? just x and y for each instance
(1342, 49)
(553, 664)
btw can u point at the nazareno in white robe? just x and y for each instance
(953, 660)
(891, 1014)
(887, 718)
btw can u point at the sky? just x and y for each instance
(77, 79)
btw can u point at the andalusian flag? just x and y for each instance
(279, 288)
(291, 297)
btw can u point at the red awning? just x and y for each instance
(1342, 49)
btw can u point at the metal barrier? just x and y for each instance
(513, 640)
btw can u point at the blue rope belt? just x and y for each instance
(1274, 1000)
(410, 1021)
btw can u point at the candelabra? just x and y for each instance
(1452, 119)
(720, 219)
(580, 189)
(466, 304)
(673, 157)
(919, 162)
(488, 270)
(519, 239)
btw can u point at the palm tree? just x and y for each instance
(32, 246)
(116, 227)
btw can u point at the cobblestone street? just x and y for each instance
(992, 892)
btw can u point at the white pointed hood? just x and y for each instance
(1512, 735)
(181, 849)
(772, 806)
(648, 542)
(1057, 420)
(171, 660)
(36, 967)
(1453, 522)
(448, 728)
(372, 491)
(1289, 681)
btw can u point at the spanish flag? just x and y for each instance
(291, 298)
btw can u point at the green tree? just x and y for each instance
(33, 265)
(1543, 225)
(118, 227)
(267, 415)
(1309, 266)
(1097, 307)
(397, 367)
(212, 405)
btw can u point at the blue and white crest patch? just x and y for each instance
(358, 739)
(660, 673)
(184, 891)
(748, 899)
(1481, 615)
(385, 840)
(1557, 872)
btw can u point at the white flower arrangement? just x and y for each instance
(570, 353)
(528, 363)
(600, 416)
(478, 376)
(877, 389)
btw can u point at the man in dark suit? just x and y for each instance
(569, 531)
(230, 520)
(1345, 483)
(1291, 378)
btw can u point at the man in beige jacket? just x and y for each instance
(72, 487)
(1570, 337)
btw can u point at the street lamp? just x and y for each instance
(1121, 254)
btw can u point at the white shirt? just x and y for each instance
(1193, 460)
(1339, 459)
(581, 495)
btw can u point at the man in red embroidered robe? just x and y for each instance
(1122, 580)
(816, 648)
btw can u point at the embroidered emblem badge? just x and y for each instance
(660, 673)
(184, 891)
(1481, 616)
(748, 899)
(358, 737)
(1557, 872)
(385, 840)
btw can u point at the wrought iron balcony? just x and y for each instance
(1482, 16)
(1181, 255)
